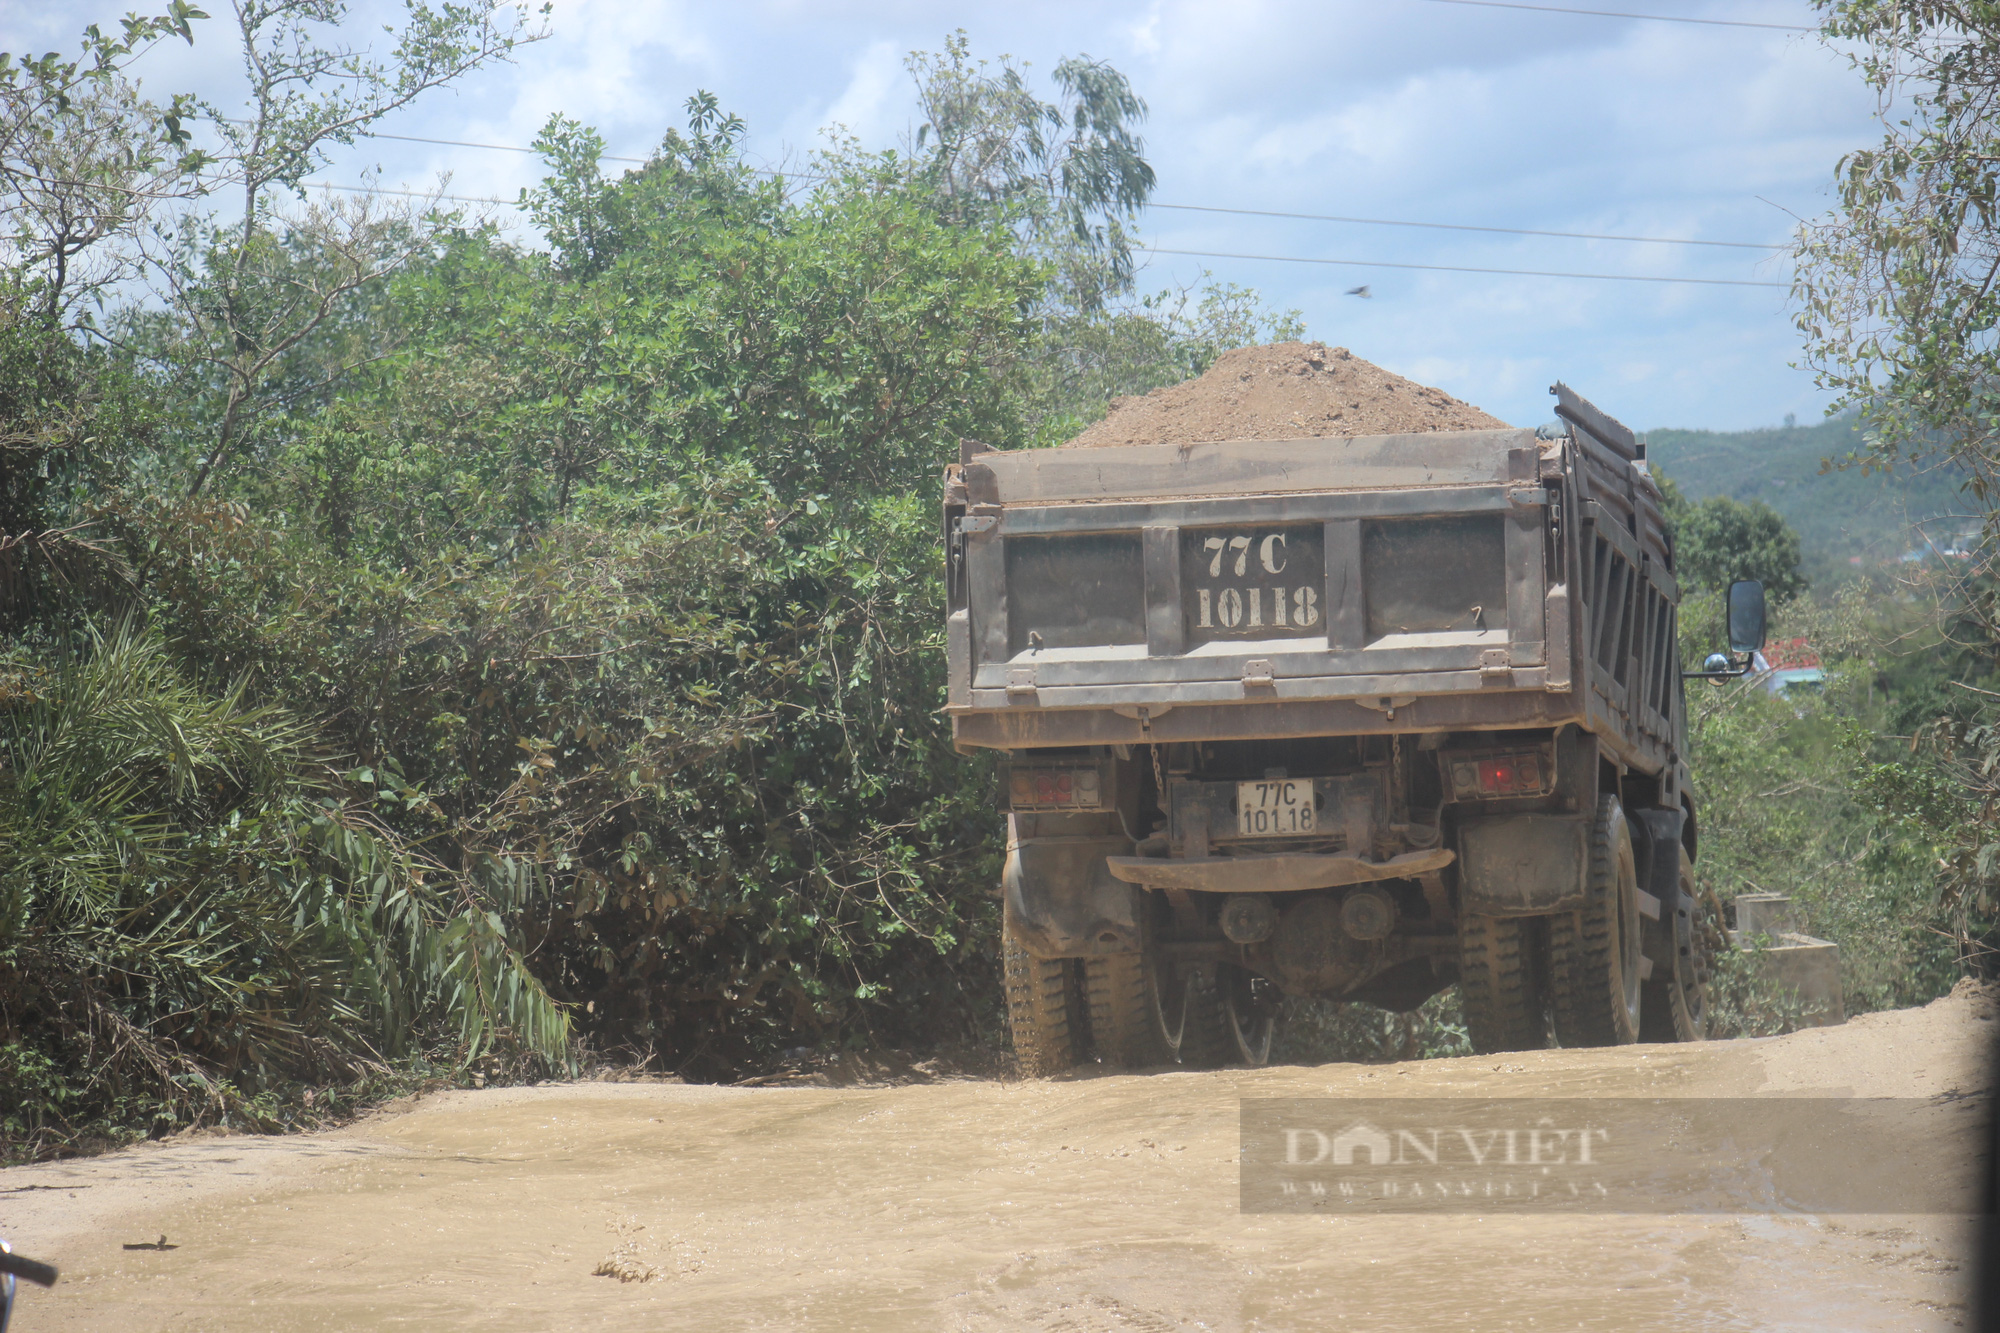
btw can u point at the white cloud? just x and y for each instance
(1353, 107)
(875, 105)
(1145, 34)
(614, 64)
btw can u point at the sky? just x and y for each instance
(1404, 110)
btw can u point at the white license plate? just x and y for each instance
(1274, 808)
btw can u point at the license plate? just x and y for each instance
(1274, 808)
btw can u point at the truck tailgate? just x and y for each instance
(1380, 568)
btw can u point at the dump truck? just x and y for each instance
(1357, 718)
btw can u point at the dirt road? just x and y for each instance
(1095, 1203)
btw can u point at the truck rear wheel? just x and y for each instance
(1206, 1022)
(1122, 1020)
(1674, 1006)
(1250, 1013)
(1594, 952)
(1499, 982)
(1191, 1015)
(1044, 1008)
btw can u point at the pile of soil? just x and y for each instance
(1284, 391)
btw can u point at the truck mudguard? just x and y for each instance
(1524, 865)
(1064, 901)
(1657, 846)
(1656, 843)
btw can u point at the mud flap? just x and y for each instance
(1523, 865)
(1064, 901)
(1656, 844)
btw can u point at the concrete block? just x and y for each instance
(1808, 967)
(1764, 914)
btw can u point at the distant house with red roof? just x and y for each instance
(1787, 664)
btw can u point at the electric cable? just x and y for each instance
(1622, 14)
(1212, 208)
(1206, 254)
(1463, 268)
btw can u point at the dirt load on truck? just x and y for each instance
(1292, 709)
(1280, 392)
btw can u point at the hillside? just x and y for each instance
(1838, 515)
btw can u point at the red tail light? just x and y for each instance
(1054, 789)
(1498, 776)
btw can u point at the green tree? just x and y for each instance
(246, 290)
(1069, 176)
(197, 910)
(1898, 302)
(84, 161)
(1720, 540)
(72, 420)
(1895, 291)
(626, 564)
(1070, 173)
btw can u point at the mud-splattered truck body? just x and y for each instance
(1342, 717)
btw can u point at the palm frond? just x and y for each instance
(177, 865)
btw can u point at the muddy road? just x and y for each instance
(1096, 1203)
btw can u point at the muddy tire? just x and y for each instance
(1675, 1002)
(1190, 1014)
(1044, 1009)
(1122, 1022)
(1250, 1016)
(1500, 982)
(1594, 987)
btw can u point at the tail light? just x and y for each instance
(1500, 775)
(1031, 789)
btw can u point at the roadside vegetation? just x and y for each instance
(426, 656)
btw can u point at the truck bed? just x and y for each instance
(1268, 588)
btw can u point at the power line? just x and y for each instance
(1460, 268)
(1461, 226)
(1197, 254)
(408, 194)
(496, 147)
(1210, 208)
(1621, 14)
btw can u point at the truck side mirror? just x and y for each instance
(1746, 616)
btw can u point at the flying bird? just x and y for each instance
(1362, 292)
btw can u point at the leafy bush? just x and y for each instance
(618, 569)
(1314, 1031)
(1785, 806)
(190, 916)
(599, 588)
